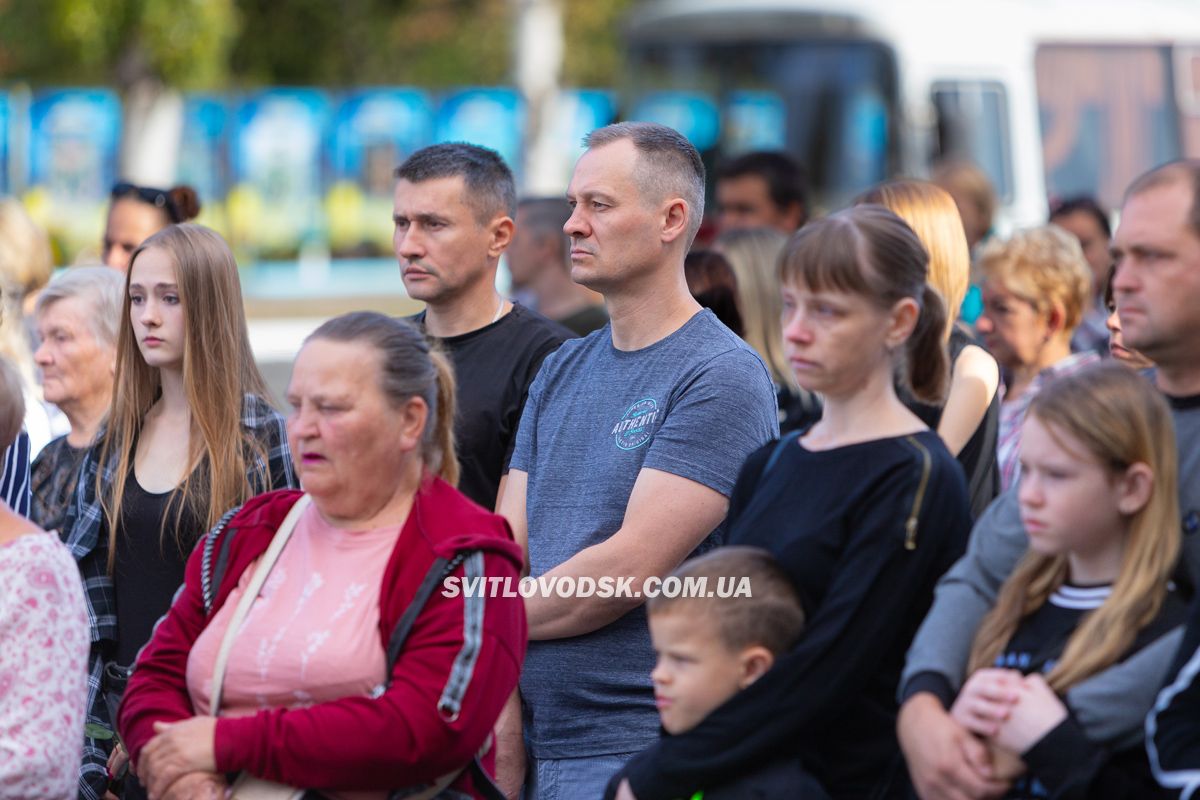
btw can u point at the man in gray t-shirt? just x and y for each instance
(627, 451)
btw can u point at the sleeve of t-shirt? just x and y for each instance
(723, 414)
(524, 445)
(533, 369)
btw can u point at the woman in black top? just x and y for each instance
(969, 418)
(189, 436)
(865, 510)
(1099, 501)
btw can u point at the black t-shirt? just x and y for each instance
(585, 320)
(150, 562)
(978, 456)
(493, 367)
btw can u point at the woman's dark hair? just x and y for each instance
(712, 281)
(869, 251)
(409, 366)
(179, 203)
(1085, 203)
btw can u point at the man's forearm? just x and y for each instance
(551, 615)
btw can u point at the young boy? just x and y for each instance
(710, 648)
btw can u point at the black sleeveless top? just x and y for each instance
(978, 456)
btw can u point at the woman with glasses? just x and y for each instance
(1036, 289)
(136, 213)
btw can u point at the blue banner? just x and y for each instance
(277, 145)
(492, 118)
(74, 141)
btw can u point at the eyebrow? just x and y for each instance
(159, 286)
(423, 217)
(593, 194)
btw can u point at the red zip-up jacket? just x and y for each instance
(463, 654)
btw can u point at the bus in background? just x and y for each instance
(1050, 97)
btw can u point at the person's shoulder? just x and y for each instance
(536, 327)
(451, 523)
(36, 550)
(258, 411)
(54, 450)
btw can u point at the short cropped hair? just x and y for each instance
(1042, 265)
(1185, 171)
(771, 617)
(12, 403)
(489, 188)
(101, 288)
(668, 164)
(546, 216)
(786, 179)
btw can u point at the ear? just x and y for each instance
(902, 322)
(675, 219)
(754, 662)
(500, 234)
(1056, 318)
(1134, 488)
(413, 416)
(794, 214)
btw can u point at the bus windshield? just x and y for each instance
(829, 102)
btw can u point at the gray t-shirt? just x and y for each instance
(693, 404)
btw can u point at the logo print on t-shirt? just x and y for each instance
(634, 428)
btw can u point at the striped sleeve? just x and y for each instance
(14, 483)
(1173, 725)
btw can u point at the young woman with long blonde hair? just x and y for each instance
(1099, 501)
(190, 435)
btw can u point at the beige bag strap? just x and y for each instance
(265, 565)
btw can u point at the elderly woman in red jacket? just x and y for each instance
(328, 634)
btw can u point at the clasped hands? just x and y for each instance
(1010, 711)
(179, 763)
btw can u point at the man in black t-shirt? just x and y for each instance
(453, 211)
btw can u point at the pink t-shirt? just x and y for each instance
(313, 633)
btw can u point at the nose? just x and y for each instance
(42, 356)
(984, 324)
(576, 226)
(299, 423)
(1113, 322)
(409, 244)
(148, 314)
(1123, 281)
(1029, 491)
(795, 328)
(660, 676)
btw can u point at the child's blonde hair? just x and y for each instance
(1121, 420)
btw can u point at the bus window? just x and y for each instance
(830, 103)
(1108, 114)
(972, 125)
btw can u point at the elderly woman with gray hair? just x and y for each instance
(77, 318)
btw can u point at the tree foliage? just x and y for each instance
(216, 44)
(183, 43)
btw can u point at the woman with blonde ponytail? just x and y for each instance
(1099, 501)
(363, 634)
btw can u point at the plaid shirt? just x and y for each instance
(89, 545)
